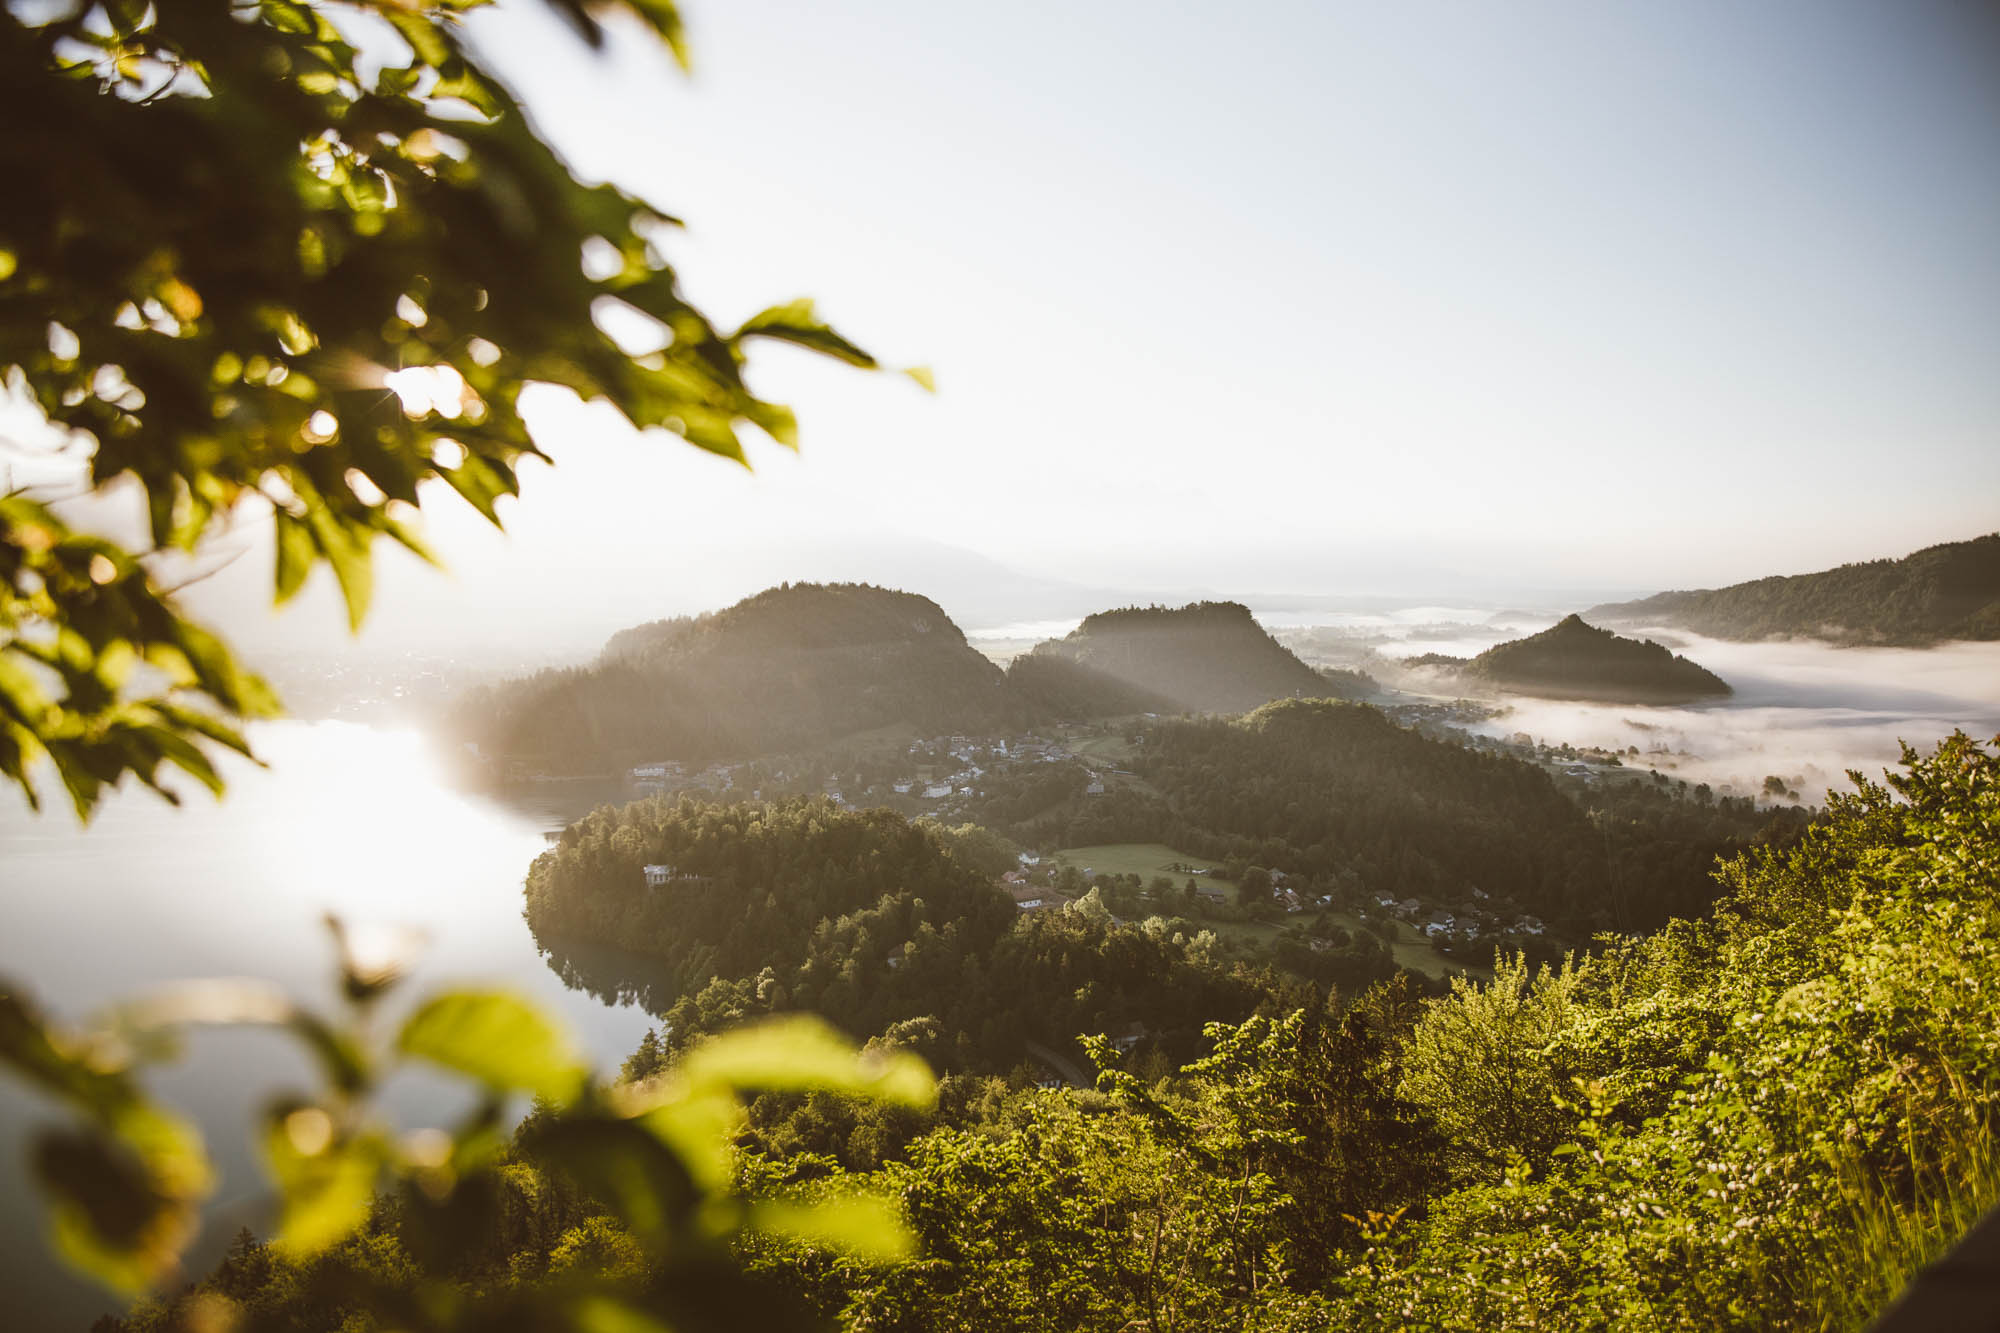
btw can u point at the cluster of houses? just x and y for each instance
(973, 758)
(929, 776)
(1444, 925)
(661, 776)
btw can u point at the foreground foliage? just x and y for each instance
(1764, 1121)
(610, 1207)
(252, 268)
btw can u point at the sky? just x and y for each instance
(1284, 298)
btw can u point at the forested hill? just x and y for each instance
(1574, 660)
(1338, 793)
(1205, 657)
(867, 919)
(790, 668)
(1066, 688)
(1942, 592)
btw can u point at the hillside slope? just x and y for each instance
(1065, 688)
(1950, 591)
(793, 667)
(1574, 660)
(1205, 657)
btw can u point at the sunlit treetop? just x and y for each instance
(295, 259)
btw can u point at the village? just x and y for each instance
(953, 778)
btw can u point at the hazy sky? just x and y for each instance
(1280, 297)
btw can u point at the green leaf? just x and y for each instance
(646, 1186)
(664, 17)
(481, 483)
(604, 1314)
(20, 696)
(27, 1044)
(296, 554)
(496, 1038)
(426, 41)
(176, 750)
(800, 1053)
(347, 551)
(110, 1218)
(698, 1127)
(797, 322)
(327, 1186)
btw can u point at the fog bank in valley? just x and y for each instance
(1804, 710)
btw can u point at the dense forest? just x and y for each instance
(1574, 660)
(1949, 591)
(873, 922)
(1205, 657)
(1337, 792)
(1765, 1120)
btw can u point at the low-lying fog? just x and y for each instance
(1803, 710)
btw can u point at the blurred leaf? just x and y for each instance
(296, 554)
(27, 1043)
(801, 1053)
(606, 1314)
(110, 1218)
(424, 36)
(698, 1126)
(326, 1185)
(496, 1038)
(864, 1225)
(630, 1172)
(348, 553)
(665, 19)
(797, 322)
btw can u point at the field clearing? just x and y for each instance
(1110, 749)
(1147, 859)
(1144, 859)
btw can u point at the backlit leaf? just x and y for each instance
(801, 1053)
(496, 1038)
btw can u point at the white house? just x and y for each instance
(656, 875)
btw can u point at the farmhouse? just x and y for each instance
(1033, 898)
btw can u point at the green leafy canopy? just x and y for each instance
(258, 270)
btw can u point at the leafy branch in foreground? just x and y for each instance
(651, 1161)
(297, 259)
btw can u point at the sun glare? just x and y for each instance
(433, 389)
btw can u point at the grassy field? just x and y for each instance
(1144, 859)
(1107, 749)
(1147, 859)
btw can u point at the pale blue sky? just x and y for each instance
(1280, 297)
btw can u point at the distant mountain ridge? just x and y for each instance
(1948, 591)
(1575, 660)
(805, 664)
(1208, 657)
(790, 668)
